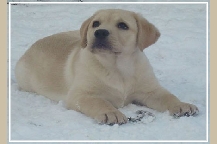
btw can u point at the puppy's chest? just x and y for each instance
(126, 68)
(122, 78)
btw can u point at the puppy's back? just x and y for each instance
(41, 68)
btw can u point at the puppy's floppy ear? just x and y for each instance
(147, 34)
(83, 32)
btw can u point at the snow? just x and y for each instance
(178, 59)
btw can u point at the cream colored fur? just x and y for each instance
(94, 81)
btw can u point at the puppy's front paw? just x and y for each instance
(183, 109)
(111, 118)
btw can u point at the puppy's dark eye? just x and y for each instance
(123, 26)
(96, 24)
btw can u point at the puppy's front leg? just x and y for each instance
(98, 108)
(162, 100)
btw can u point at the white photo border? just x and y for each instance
(207, 71)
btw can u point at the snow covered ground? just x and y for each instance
(178, 59)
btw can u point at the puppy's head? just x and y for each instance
(117, 31)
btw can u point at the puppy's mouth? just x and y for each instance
(100, 45)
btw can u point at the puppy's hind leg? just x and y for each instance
(22, 74)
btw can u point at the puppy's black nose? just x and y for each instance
(101, 33)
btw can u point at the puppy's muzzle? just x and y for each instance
(101, 33)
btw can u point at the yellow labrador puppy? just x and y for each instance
(100, 68)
